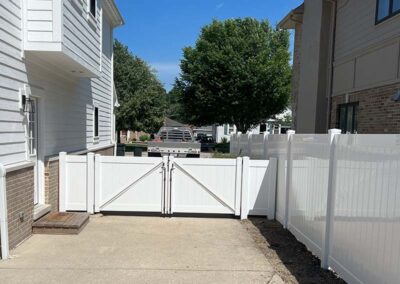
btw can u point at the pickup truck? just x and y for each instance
(174, 141)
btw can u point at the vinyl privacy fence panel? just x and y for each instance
(277, 147)
(365, 236)
(309, 186)
(257, 146)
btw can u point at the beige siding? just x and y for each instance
(366, 54)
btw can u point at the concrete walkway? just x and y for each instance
(115, 249)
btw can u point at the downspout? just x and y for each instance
(3, 215)
(332, 60)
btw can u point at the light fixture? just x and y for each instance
(396, 96)
(29, 105)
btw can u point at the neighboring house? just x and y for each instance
(56, 94)
(346, 65)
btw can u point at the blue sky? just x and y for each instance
(157, 30)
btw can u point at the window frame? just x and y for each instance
(390, 15)
(96, 121)
(92, 10)
(355, 106)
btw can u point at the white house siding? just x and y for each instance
(39, 20)
(12, 77)
(366, 54)
(102, 89)
(66, 102)
(81, 32)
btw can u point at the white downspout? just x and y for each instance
(3, 215)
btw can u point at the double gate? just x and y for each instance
(167, 185)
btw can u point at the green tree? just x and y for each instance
(238, 73)
(140, 93)
(175, 109)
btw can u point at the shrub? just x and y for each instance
(144, 138)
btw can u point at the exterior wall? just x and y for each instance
(39, 16)
(366, 54)
(51, 184)
(377, 112)
(20, 190)
(82, 32)
(296, 73)
(65, 101)
(12, 77)
(106, 152)
(313, 86)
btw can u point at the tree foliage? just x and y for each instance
(141, 95)
(238, 73)
(175, 108)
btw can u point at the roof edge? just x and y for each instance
(292, 18)
(115, 15)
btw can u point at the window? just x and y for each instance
(386, 9)
(92, 8)
(226, 129)
(263, 128)
(347, 117)
(32, 129)
(96, 122)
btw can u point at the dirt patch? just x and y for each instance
(290, 259)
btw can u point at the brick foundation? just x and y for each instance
(51, 184)
(20, 203)
(377, 113)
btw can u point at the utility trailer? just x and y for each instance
(174, 141)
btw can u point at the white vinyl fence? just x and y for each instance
(95, 183)
(340, 196)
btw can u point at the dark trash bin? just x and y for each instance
(137, 151)
(121, 150)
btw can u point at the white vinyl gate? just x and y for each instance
(167, 185)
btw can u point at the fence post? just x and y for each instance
(90, 183)
(330, 201)
(63, 181)
(265, 146)
(245, 188)
(5, 252)
(289, 165)
(272, 180)
(249, 145)
(239, 146)
(238, 192)
(97, 182)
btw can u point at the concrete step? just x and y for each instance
(60, 223)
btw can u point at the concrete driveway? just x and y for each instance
(114, 249)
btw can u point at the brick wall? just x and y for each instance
(51, 177)
(377, 112)
(20, 192)
(51, 184)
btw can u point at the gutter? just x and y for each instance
(332, 59)
(5, 252)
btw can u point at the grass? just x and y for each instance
(218, 155)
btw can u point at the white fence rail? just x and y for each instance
(95, 183)
(340, 196)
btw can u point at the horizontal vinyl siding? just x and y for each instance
(102, 88)
(39, 20)
(80, 37)
(12, 78)
(356, 29)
